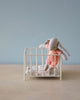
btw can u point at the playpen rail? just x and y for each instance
(43, 55)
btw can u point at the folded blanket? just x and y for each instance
(33, 70)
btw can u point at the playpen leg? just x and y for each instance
(60, 77)
(24, 76)
(24, 73)
(60, 68)
(25, 63)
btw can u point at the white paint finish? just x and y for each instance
(42, 75)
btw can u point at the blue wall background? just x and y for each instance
(28, 23)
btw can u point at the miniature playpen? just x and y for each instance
(34, 64)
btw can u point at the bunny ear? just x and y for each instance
(64, 49)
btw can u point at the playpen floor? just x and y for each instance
(32, 72)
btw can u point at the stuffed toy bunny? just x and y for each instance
(52, 45)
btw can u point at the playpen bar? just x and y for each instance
(25, 58)
(43, 55)
(37, 59)
(30, 60)
(49, 64)
(60, 68)
(54, 64)
(42, 60)
(35, 48)
(25, 63)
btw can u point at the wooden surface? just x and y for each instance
(12, 86)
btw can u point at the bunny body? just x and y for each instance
(52, 46)
(53, 60)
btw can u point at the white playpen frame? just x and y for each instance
(25, 62)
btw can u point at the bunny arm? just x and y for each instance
(42, 46)
(64, 56)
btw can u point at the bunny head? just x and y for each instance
(54, 44)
